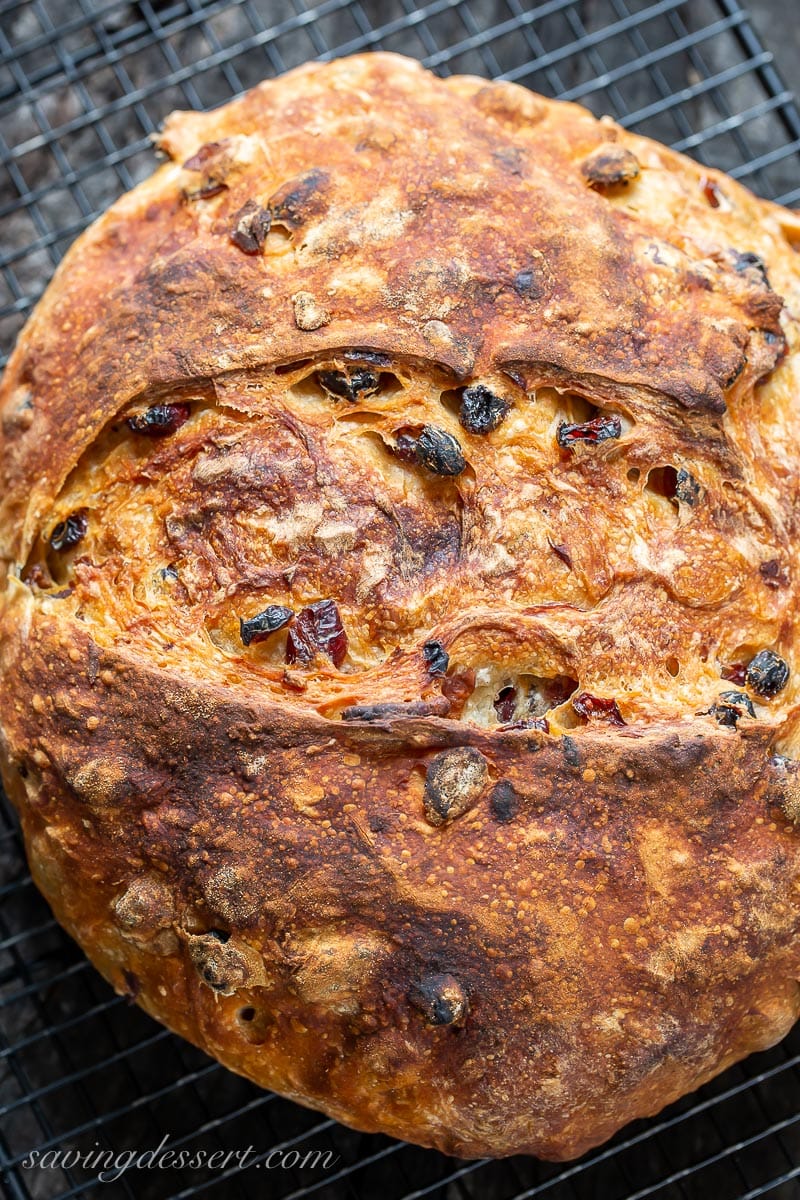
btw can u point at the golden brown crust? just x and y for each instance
(502, 868)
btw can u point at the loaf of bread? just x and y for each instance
(399, 623)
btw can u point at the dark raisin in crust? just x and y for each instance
(599, 429)
(352, 385)
(767, 673)
(439, 452)
(259, 627)
(482, 411)
(160, 420)
(317, 629)
(70, 531)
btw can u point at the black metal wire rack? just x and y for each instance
(83, 85)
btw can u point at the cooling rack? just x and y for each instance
(83, 85)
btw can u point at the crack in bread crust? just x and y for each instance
(479, 831)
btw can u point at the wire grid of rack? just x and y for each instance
(83, 85)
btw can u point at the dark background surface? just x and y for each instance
(778, 24)
(83, 83)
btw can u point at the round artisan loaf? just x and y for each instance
(400, 677)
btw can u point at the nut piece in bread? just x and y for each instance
(398, 628)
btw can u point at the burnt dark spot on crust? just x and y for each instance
(767, 673)
(610, 166)
(251, 224)
(159, 420)
(437, 660)
(482, 410)
(441, 999)
(504, 802)
(70, 531)
(259, 628)
(453, 782)
(599, 429)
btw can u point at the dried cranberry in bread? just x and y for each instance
(399, 619)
